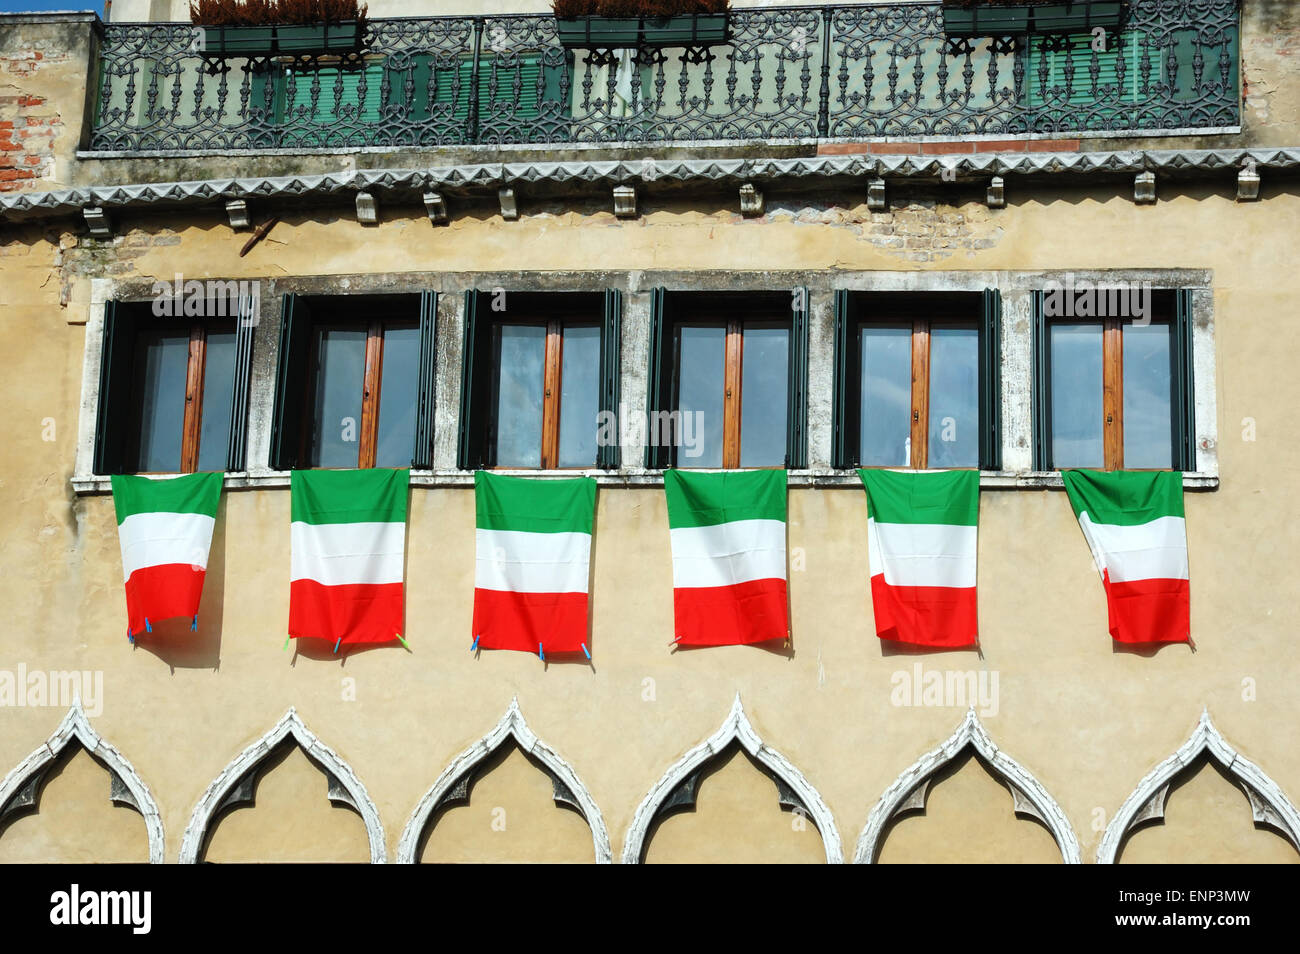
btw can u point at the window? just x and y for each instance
(540, 375)
(728, 379)
(1114, 392)
(355, 382)
(173, 394)
(916, 380)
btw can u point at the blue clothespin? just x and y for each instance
(336, 644)
(194, 625)
(584, 649)
(147, 627)
(475, 645)
(540, 653)
(129, 637)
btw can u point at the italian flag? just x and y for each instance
(728, 543)
(165, 529)
(533, 542)
(347, 545)
(921, 548)
(1133, 522)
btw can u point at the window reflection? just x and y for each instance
(521, 352)
(886, 419)
(336, 411)
(1147, 411)
(218, 388)
(399, 389)
(580, 395)
(1077, 382)
(700, 395)
(954, 397)
(765, 373)
(163, 362)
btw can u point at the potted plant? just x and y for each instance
(270, 27)
(611, 24)
(1015, 17)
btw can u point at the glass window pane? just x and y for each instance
(336, 410)
(1148, 419)
(579, 396)
(701, 375)
(218, 386)
(399, 385)
(162, 366)
(764, 384)
(886, 426)
(520, 382)
(1077, 381)
(954, 397)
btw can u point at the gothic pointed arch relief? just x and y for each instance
(679, 784)
(1269, 805)
(21, 789)
(908, 792)
(237, 782)
(453, 785)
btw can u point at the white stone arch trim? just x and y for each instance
(1268, 803)
(454, 783)
(21, 787)
(735, 728)
(235, 785)
(909, 791)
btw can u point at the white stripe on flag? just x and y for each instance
(728, 553)
(157, 538)
(922, 554)
(337, 554)
(519, 561)
(1147, 551)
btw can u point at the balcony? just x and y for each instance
(788, 74)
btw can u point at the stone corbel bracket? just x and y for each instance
(21, 788)
(909, 791)
(1269, 805)
(453, 785)
(677, 786)
(235, 784)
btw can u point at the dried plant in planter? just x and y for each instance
(566, 9)
(275, 12)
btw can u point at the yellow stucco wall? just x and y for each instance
(1089, 722)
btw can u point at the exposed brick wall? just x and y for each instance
(28, 124)
(946, 148)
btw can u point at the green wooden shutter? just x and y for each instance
(1183, 381)
(422, 452)
(843, 440)
(116, 361)
(237, 449)
(658, 378)
(1081, 57)
(608, 455)
(291, 381)
(475, 385)
(1042, 395)
(796, 419)
(990, 380)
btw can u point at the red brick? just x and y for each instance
(31, 100)
(1054, 145)
(841, 148)
(6, 174)
(7, 124)
(946, 148)
(894, 148)
(10, 147)
(1002, 145)
(32, 160)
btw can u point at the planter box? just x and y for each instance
(606, 33)
(342, 37)
(1067, 17)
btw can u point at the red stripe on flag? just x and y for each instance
(1149, 611)
(752, 612)
(353, 613)
(944, 616)
(506, 620)
(161, 592)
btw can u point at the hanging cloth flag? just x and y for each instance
(533, 563)
(347, 548)
(728, 542)
(1133, 522)
(165, 529)
(921, 546)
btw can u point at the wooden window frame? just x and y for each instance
(371, 388)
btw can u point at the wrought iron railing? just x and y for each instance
(787, 73)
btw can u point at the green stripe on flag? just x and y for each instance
(1125, 498)
(706, 500)
(189, 493)
(951, 497)
(370, 495)
(533, 504)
